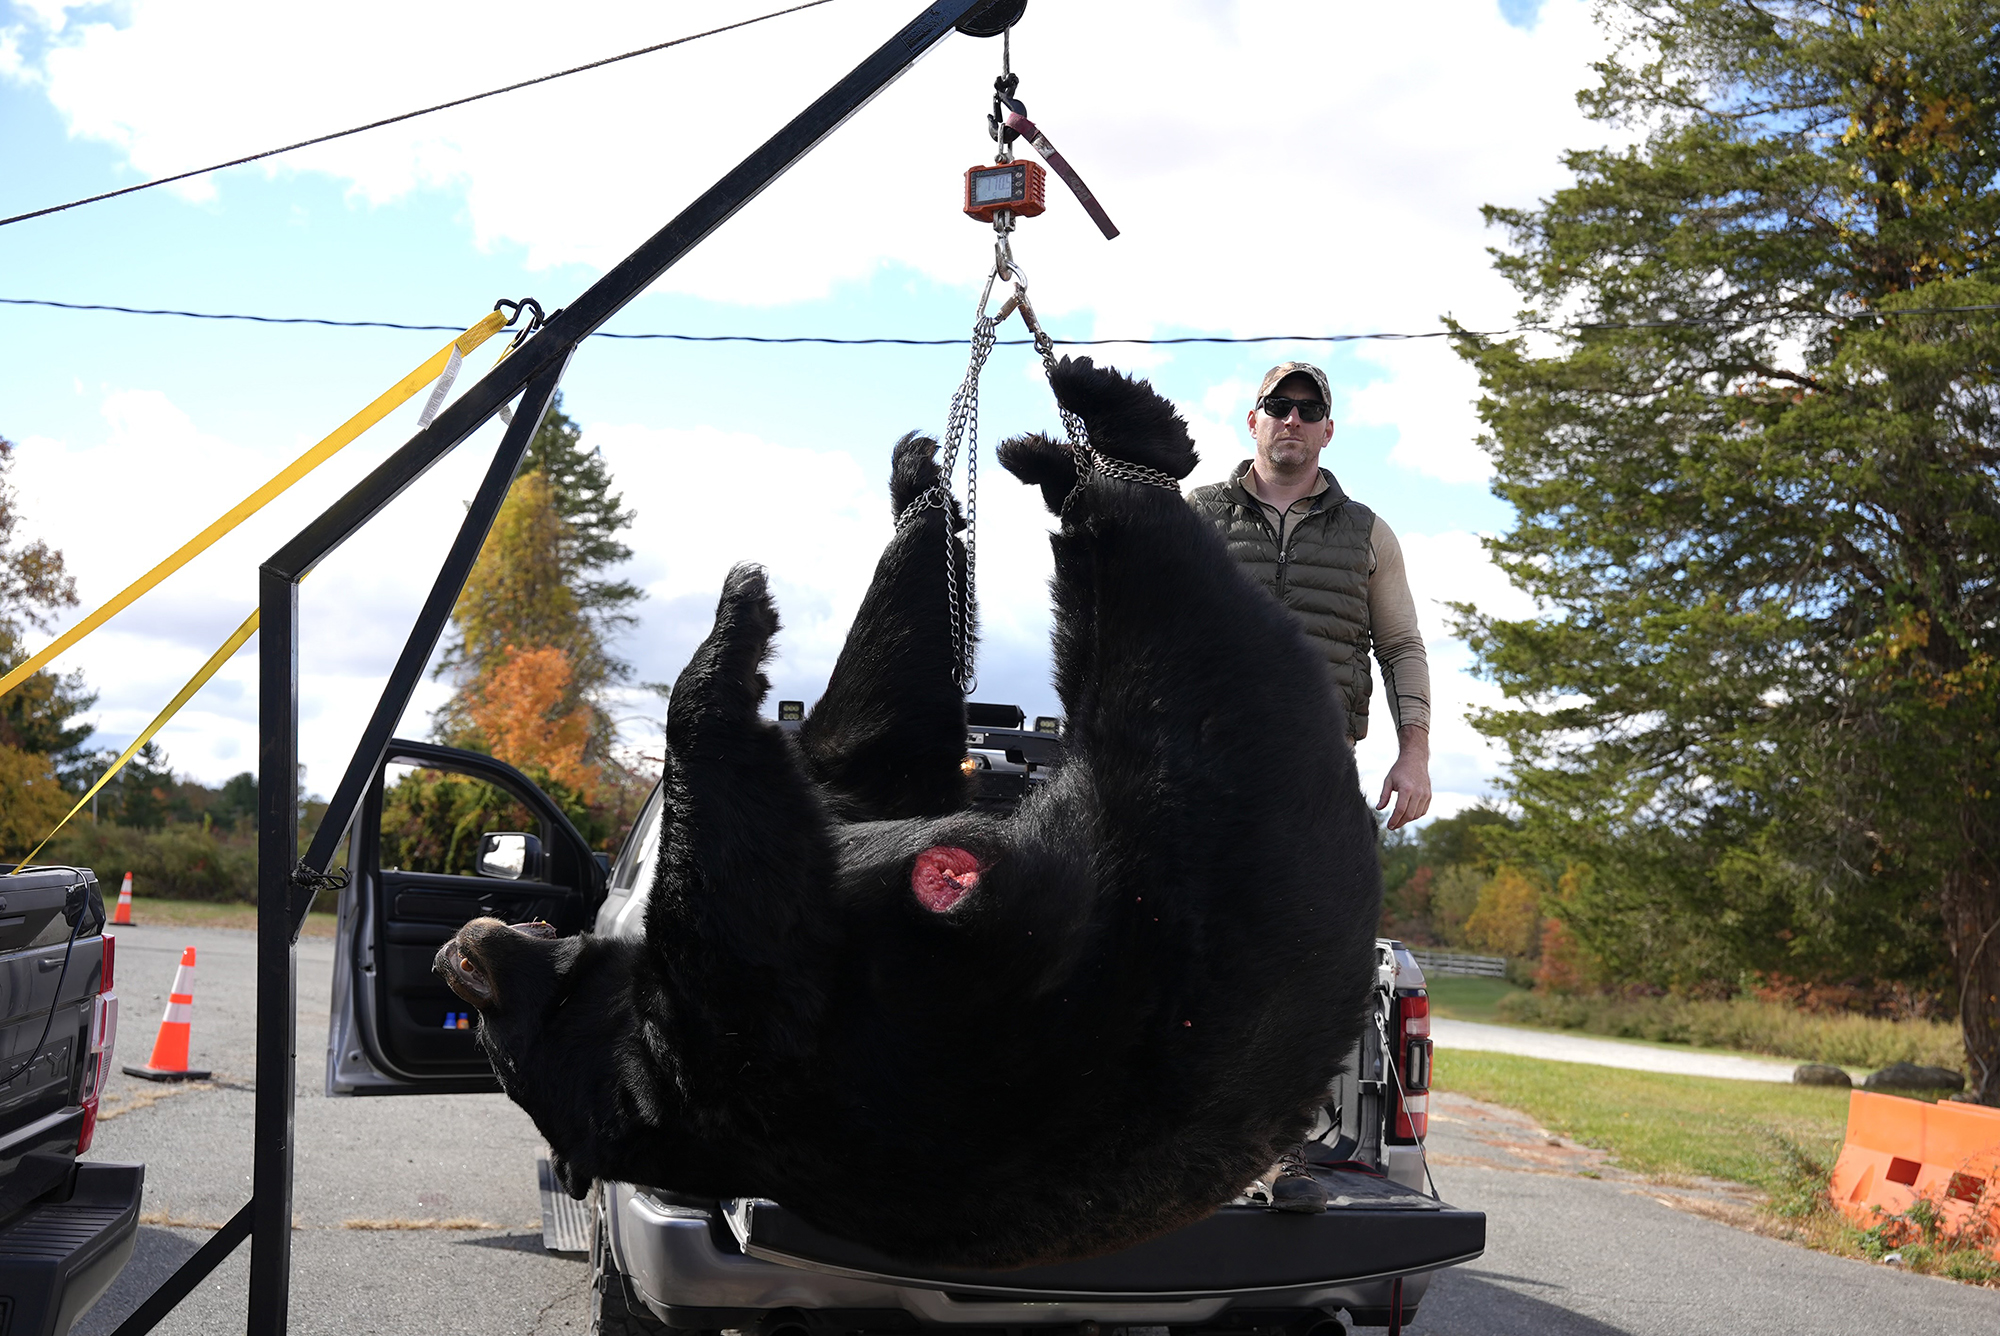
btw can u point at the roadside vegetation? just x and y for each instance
(1779, 1139)
(1748, 1024)
(1753, 729)
(1449, 886)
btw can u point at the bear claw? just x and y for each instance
(913, 470)
(746, 602)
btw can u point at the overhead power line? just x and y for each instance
(1380, 336)
(709, 338)
(411, 115)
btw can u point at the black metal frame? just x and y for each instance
(286, 883)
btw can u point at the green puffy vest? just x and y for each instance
(1321, 574)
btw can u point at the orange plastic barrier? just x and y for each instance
(1899, 1150)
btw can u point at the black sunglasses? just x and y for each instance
(1310, 410)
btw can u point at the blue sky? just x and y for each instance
(1258, 194)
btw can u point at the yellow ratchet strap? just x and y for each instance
(195, 683)
(439, 362)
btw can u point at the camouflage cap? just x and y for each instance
(1276, 377)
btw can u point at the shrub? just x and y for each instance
(1746, 1023)
(176, 862)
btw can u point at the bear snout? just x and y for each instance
(470, 964)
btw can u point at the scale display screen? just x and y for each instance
(997, 186)
(1010, 187)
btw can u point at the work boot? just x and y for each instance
(1295, 1189)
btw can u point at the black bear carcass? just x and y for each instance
(965, 1039)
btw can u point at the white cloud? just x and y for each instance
(1335, 191)
(1427, 394)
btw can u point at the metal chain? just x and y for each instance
(962, 429)
(1088, 460)
(962, 432)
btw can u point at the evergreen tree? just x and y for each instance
(521, 595)
(235, 804)
(146, 789)
(591, 516)
(1760, 502)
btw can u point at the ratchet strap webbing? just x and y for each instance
(195, 683)
(1017, 121)
(446, 359)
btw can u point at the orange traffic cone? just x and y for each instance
(170, 1051)
(123, 914)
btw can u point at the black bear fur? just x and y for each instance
(1132, 1013)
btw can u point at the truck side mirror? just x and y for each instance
(510, 855)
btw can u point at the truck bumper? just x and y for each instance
(57, 1257)
(693, 1270)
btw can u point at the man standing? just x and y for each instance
(1335, 564)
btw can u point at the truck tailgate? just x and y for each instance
(1372, 1228)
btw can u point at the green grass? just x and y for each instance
(1467, 999)
(1780, 1139)
(148, 911)
(1659, 1125)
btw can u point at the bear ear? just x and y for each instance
(1040, 462)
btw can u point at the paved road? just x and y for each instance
(1617, 1256)
(1473, 1036)
(1567, 1255)
(383, 1161)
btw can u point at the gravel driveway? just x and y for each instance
(1478, 1038)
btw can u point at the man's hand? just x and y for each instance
(1410, 778)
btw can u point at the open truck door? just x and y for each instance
(443, 837)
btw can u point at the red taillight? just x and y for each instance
(97, 1056)
(110, 954)
(1413, 1067)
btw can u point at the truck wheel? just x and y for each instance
(614, 1309)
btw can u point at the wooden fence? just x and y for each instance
(1454, 962)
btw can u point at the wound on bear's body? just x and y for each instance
(942, 877)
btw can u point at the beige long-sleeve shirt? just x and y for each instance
(1392, 610)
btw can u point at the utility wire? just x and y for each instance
(406, 116)
(960, 342)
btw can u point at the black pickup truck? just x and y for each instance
(664, 1261)
(67, 1226)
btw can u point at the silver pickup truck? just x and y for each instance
(665, 1261)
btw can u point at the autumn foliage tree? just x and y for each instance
(41, 744)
